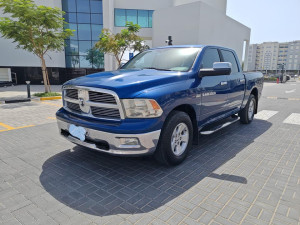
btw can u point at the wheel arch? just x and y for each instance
(188, 109)
(255, 93)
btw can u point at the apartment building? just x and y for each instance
(187, 21)
(270, 55)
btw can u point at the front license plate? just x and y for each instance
(78, 132)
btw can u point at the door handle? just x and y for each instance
(223, 83)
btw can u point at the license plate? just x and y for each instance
(78, 132)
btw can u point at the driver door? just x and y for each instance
(214, 89)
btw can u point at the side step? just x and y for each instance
(217, 126)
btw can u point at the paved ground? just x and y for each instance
(20, 91)
(245, 174)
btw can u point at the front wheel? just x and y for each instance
(175, 140)
(247, 113)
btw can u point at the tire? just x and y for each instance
(175, 140)
(247, 113)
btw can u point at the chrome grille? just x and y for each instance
(102, 97)
(105, 112)
(73, 106)
(72, 93)
(93, 102)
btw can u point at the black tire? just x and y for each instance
(245, 118)
(164, 153)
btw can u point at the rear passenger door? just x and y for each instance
(213, 88)
(236, 81)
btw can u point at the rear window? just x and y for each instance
(229, 57)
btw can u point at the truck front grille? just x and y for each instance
(102, 97)
(99, 103)
(105, 112)
(72, 93)
(74, 107)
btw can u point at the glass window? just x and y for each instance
(210, 57)
(96, 6)
(84, 63)
(83, 6)
(83, 18)
(132, 15)
(143, 19)
(96, 31)
(71, 47)
(86, 18)
(72, 61)
(84, 32)
(69, 5)
(150, 17)
(84, 46)
(72, 27)
(120, 18)
(97, 19)
(70, 17)
(229, 57)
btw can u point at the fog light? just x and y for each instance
(133, 142)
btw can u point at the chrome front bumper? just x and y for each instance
(147, 141)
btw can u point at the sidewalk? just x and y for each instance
(20, 91)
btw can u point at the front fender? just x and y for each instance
(173, 95)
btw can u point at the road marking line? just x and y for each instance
(6, 126)
(51, 118)
(272, 97)
(49, 103)
(280, 98)
(294, 118)
(291, 91)
(265, 114)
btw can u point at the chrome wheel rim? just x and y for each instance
(251, 110)
(180, 139)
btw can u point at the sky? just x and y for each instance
(269, 20)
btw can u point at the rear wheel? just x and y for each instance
(247, 114)
(175, 140)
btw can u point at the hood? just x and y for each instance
(129, 83)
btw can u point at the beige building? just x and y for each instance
(270, 55)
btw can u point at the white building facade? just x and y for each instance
(187, 21)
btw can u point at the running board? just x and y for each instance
(219, 127)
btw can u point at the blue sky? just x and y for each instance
(269, 20)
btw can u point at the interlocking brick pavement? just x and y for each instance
(244, 174)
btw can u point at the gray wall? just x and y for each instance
(10, 56)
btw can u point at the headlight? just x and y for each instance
(141, 108)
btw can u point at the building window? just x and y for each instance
(86, 18)
(137, 16)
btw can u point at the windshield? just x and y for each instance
(169, 59)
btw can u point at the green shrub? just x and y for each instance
(49, 94)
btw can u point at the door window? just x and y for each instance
(210, 57)
(229, 57)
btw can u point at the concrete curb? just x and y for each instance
(35, 99)
(15, 101)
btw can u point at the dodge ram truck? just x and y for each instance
(159, 102)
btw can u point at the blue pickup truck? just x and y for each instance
(159, 102)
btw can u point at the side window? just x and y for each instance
(229, 57)
(210, 57)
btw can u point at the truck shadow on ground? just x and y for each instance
(100, 184)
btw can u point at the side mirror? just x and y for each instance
(219, 68)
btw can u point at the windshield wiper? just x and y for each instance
(153, 68)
